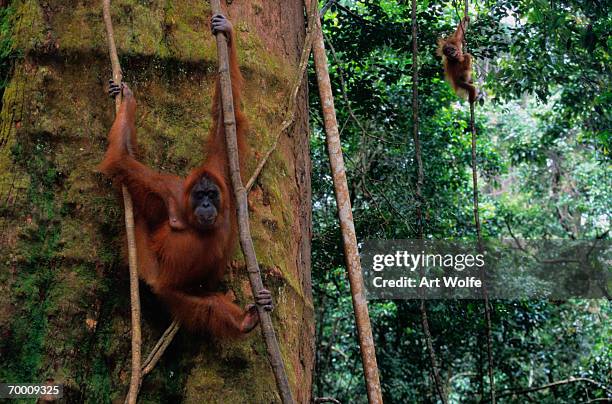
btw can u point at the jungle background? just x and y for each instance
(544, 139)
(544, 133)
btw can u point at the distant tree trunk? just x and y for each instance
(64, 294)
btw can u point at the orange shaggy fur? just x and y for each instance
(457, 65)
(182, 263)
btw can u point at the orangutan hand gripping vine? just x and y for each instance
(457, 65)
(186, 228)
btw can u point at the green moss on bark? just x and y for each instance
(65, 275)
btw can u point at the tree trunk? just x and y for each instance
(64, 293)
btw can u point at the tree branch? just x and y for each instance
(507, 393)
(487, 309)
(129, 227)
(419, 196)
(347, 226)
(159, 348)
(326, 7)
(325, 400)
(246, 241)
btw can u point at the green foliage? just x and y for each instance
(25, 348)
(7, 52)
(562, 50)
(542, 149)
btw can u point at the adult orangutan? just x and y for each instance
(186, 228)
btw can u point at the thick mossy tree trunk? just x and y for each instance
(64, 290)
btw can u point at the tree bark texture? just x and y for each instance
(64, 290)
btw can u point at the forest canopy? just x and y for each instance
(544, 141)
